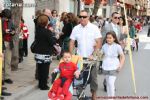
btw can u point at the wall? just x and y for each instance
(28, 13)
(1, 5)
(59, 5)
(41, 4)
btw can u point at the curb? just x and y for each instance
(23, 92)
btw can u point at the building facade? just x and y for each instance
(59, 5)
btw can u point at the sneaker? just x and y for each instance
(45, 87)
(4, 88)
(9, 81)
(61, 97)
(1, 98)
(57, 99)
(5, 93)
(52, 95)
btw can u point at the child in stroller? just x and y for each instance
(60, 88)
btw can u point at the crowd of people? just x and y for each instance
(82, 35)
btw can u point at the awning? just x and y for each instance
(88, 2)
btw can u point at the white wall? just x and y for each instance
(1, 5)
(64, 6)
(28, 13)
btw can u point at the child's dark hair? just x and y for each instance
(66, 51)
(113, 34)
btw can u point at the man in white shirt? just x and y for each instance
(88, 37)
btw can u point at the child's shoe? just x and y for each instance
(61, 97)
(51, 95)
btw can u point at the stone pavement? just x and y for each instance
(24, 78)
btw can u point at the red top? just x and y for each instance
(67, 69)
(138, 26)
(25, 30)
(7, 37)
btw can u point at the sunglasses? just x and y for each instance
(83, 16)
(116, 17)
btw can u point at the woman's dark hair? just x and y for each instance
(63, 15)
(123, 19)
(72, 18)
(6, 13)
(92, 19)
(113, 34)
(43, 20)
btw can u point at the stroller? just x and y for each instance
(80, 84)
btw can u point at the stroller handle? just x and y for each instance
(88, 61)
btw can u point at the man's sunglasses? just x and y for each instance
(83, 16)
(116, 17)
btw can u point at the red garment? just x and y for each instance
(67, 97)
(25, 30)
(138, 26)
(66, 71)
(7, 37)
(65, 88)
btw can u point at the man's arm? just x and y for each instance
(97, 46)
(71, 45)
(98, 43)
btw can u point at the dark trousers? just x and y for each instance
(43, 72)
(148, 34)
(20, 54)
(25, 47)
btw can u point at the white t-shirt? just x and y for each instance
(111, 53)
(85, 37)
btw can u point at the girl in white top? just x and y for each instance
(112, 62)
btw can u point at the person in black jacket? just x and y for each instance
(44, 41)
(70, 21)
(37, 14)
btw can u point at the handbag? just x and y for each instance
(32, 47)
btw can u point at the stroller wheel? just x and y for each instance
(80, 93)
(85, 98)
